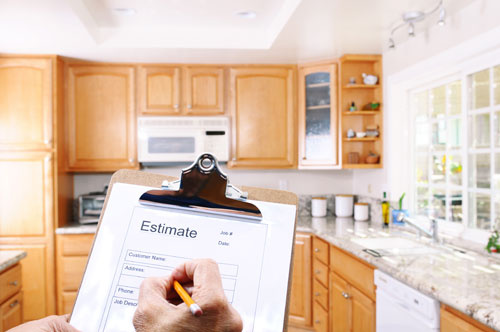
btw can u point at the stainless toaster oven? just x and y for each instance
(90, 207)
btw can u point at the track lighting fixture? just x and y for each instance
(410, 18)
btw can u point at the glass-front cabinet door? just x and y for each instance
(318, 145)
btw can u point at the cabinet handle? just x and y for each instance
(189, 106)
(14, 283)
(131, 160)
(317, 294)
(13, 304)
(176, 106)
(316, 250)
(345, 295)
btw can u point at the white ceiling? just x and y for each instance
(206, 31)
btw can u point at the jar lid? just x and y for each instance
(344, 195)
(361, 203)
(319, 197)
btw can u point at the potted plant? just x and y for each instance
(395, 212)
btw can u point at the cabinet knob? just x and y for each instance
(176, 106)
(234, 158)
(131, 160)
(345, 295)
(317, 271)
(316, 249)
(317, 321)
(14, 283)
(189, 106)
(317, 294)
(13, 304)
(47, 142)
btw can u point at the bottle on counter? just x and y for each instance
(385, 210)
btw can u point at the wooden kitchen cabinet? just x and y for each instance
(300, 310)
(72, 252)
(318, 117)
(159, 90)
(203, 90)
(455, 321)
(263, 111)
(25, 104)
(101, 118)
(11, 298)
(352, 293)
(176, 90)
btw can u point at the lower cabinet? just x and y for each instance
(300, 311)
(11, 298)
(72, 252)
(454, 321)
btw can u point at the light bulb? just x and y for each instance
(391, 43)
(442, 16)
(411, 30)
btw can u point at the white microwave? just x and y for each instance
(181, 139)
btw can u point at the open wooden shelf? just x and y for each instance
(361, 86)
(361, 139)
(361, 166)
(353, 113)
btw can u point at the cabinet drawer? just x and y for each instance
(320, 318)
(320, 294)
(320, 272)
(11, 312)
(72, 272)
(10, 282)
(353, 271)
(320, 250)
(76, 245)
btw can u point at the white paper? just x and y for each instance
(136, 241)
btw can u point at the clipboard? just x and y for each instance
(204, 189)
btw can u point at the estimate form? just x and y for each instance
(136, 241)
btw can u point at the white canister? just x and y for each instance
(361, 211)
(318, 206)
(344, 205)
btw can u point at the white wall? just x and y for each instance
(298, 181)
(437, 52)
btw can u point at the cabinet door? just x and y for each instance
(101, 118)
(203, 90)
(363, 311)
(340, 311)
(264, 117)
(158, 90)
(318, 117)
(26, 194)
(25, 104)
(300, 298)
(11, 312)
(453, 323)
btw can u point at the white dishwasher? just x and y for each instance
(402, 308)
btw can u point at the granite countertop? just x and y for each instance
(468, 282)
(9, 258)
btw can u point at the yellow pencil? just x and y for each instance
(195, 309)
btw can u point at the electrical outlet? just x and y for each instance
(283, 184)
(369, 189)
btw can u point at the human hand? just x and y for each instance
(47, 324)
(157, 310)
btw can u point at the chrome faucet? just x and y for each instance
(432, 233)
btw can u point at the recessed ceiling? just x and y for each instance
(205, 31)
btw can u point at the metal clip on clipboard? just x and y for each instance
(203, 187)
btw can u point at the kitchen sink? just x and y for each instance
(392, 246)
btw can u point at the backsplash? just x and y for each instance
(374, 205)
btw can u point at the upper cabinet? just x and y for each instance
(361, 107)
(159, 90)
(318, 117)
(101, 118)
(262, 103)
(25, 93)
(203, 90)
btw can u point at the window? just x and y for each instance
(458, 179)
